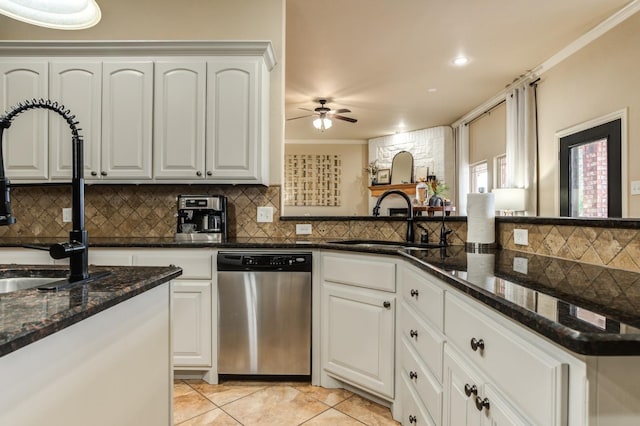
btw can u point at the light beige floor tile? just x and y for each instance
(366, 411)
(189, 404)
(332, 417)
(223, 393)
(330, 397)
(181, 388)
(215, 417)
(275, 406)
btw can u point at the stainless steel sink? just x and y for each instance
(10, 284)
(388, 244)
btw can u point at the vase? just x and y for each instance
(435, 201)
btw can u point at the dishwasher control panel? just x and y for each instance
(264, 262)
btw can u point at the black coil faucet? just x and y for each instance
(76, 249)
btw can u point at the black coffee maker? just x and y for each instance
(202, 218)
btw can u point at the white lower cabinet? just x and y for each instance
(193, 300)
(358, 323)
(191, 323)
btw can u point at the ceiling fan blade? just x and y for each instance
(305, 109)
(339, 111)
(342, 117)
(302, 116)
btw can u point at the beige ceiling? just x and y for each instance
(378, 58)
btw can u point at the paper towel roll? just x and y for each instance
(481, 218)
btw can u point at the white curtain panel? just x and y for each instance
(462, 158)
(522, 144)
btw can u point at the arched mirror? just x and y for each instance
(402, 168)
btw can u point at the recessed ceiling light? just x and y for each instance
(461, 60)
(432, 90)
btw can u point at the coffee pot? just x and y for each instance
(201, 218)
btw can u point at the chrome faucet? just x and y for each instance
(77, 248)
(376, 210)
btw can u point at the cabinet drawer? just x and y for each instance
(424, 296)
(413, 412)
(363, 271)
(426, 341)
(195, 264)
(426, 386)
(534, 380)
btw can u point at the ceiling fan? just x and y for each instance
(325, 115)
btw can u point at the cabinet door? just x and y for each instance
(500, 412)
(234, 133)
(127, 103)
(358, 336)
(78, 86)
(179, 115)
(26, 141)
(191, 323)
(460, 391)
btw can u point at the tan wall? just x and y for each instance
(488, 138)
(355, 195)
(597, 80)
(186, 20)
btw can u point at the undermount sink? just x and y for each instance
(10, 284)
(389, 244)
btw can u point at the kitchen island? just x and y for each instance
(96, 353)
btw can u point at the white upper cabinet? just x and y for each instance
(179, 111)
(237, 110)
(25, 143)
(78, 86)
(127, 119)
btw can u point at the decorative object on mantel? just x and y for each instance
(372, 170)
(402, 168)
(383, 177)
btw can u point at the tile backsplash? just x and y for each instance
(149, 211)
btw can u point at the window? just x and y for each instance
(478, 174)
(500, 168)
(590, 176)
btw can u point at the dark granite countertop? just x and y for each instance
(588, 309)
(27, 316)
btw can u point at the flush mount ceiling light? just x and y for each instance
(322, 123)
(57, 14)
(460, 61)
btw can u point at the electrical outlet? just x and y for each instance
(303, 228)
(521, 264)
(635, 187)
(521, 237)
(265, 214)
(66, 215)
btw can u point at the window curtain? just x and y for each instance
(522, 144)
(462, 158)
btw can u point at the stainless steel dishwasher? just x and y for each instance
(264, 314)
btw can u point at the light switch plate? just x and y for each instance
(635, 187)
(66, 215)
(265, 214)
(303, 228)
(521, 237)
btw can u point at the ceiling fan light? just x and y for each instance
(322, 123)
(57, 14)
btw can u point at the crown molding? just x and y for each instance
(140, 48)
